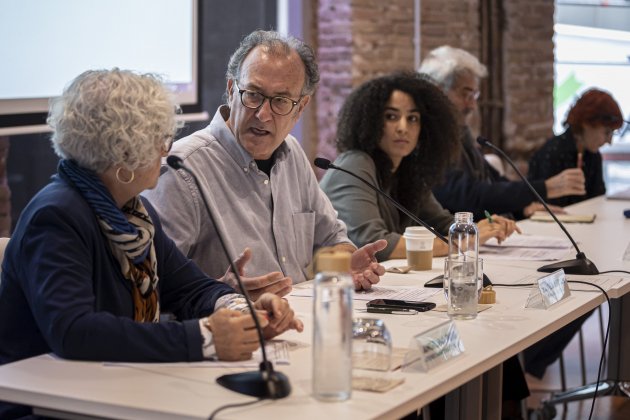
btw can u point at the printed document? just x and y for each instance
(526, 247)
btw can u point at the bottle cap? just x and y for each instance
(488, 295)
(337, 261)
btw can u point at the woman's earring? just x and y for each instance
(126, 181)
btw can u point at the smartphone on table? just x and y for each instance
(396, 306)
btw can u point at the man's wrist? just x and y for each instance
(207, 345)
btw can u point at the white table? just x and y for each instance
(605, 242)
(88, 388)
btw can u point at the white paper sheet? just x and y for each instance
(380, 292)
(277, 352)
(526, 247)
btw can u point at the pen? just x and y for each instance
(580, 156)
(488, 216)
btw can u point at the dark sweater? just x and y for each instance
(560, 153)
(473, 185)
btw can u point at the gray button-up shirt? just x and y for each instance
(283, 218)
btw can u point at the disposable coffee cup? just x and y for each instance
(419, 244)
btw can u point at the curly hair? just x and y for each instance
(276, 43)
(361, 125)
(115, 117)
(597, 108)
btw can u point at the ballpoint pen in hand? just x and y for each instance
(488, 216)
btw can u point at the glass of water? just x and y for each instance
(371, 344)
(463, 282)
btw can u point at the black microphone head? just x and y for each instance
(482, 141)
(174, 162)
(322, 163)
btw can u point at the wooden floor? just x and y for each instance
(606, 408)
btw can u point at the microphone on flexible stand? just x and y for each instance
(325, 164)
(579, 265)
(265, 383)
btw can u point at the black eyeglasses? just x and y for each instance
(280, 105)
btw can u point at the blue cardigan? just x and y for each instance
(62, 290)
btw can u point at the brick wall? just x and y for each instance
(451, 22)
(334, 51)
(357, 40)
(528, 76)
(360, 39)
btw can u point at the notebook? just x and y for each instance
(619, 195)
(543, 216)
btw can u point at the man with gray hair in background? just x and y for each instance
(474, 185)
(257, 179)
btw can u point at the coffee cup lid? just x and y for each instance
(417, 232)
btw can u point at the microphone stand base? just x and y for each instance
(260, 384)
(581, 266)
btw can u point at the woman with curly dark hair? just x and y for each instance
(399, 132)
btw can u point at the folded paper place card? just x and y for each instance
(433, 348)
(548, 290)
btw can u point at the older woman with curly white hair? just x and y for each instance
(88, 269)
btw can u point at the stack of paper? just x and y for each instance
(526, 247)
(619, 195)
(543, 216)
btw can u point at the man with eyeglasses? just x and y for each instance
(257, 178)
(474, 185)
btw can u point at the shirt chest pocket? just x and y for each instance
(304, 232)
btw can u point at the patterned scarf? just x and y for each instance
(130, 235)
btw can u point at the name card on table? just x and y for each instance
(433, 348)
(548, 290)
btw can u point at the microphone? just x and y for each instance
(266, 383)
(325, 164)
(579, 265)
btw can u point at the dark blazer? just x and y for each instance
(473, 185)
(560, 153)
(62, 290)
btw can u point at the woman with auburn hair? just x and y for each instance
(590, 124)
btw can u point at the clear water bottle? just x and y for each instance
(332, 328)
(460, 270)
(463, 237)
